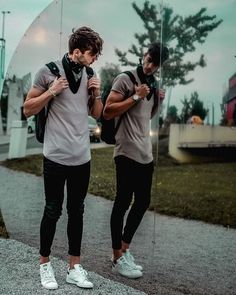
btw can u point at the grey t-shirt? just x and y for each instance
(132, 138)
(66, 139)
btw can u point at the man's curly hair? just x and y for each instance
(85, 38)
(158, 53)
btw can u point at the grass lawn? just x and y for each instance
(201, 191)
(3, 230)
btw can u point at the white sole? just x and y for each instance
(70, 281)
(48, 288)
(129, 277)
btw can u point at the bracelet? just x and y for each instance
(98, 97)
(53, 93)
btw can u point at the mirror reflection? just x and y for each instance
(174, 157)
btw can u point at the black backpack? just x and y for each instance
(41, 117)
(108, 127)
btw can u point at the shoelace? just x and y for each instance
(48, 275)
(82, 272)
(131, 257)
(126, 265)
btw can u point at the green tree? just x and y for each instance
(192, 107)
(107, 75)
(172, 114)
(180, 34)
(186, 110)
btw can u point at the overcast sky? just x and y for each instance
(117, 22)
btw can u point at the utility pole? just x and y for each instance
(3, 46)
(2, 58)
(168, 100)
(213, 114)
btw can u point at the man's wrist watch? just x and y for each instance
(136, 98)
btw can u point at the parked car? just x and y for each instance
(31, 124)
(94, 130)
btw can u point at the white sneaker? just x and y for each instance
(48, 280)
(123, 268)
(130, 259)
(78, 276)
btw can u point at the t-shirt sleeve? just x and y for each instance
(41, 79)
(123, 85)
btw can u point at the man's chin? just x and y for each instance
(147, 73)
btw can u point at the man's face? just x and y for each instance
(149, 68)
(86, 58)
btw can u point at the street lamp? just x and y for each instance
(3, 21)
(2, 68)
(3, 43)
(3, 46)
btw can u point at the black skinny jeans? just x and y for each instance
(77, 180)
(132, 178)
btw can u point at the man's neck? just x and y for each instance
(72, 58)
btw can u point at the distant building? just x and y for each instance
(13, 95)
(230, 100)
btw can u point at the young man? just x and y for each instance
(66, 147)
(133, 154)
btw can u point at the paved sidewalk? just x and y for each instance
(4, 139)
(20, 270)
(190, 257)
(179, 256)
(20, 274)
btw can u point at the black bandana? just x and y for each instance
(70, 67)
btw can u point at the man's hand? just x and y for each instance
(58, 85)
(142, 91)
(161, 94)
(94, 84)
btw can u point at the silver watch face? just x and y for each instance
(136, 97)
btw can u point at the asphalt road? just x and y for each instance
(31, 143)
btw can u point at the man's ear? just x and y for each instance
(77, 52)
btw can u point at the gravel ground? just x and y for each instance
(20, 274)
(179, 256)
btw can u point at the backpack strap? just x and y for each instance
(54, 69)
(132, 77)
(89, 72)
(149, 80)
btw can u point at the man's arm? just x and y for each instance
(36, 98)
(95, 102)
(96, 106)
(116, 103)
(35, 101)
